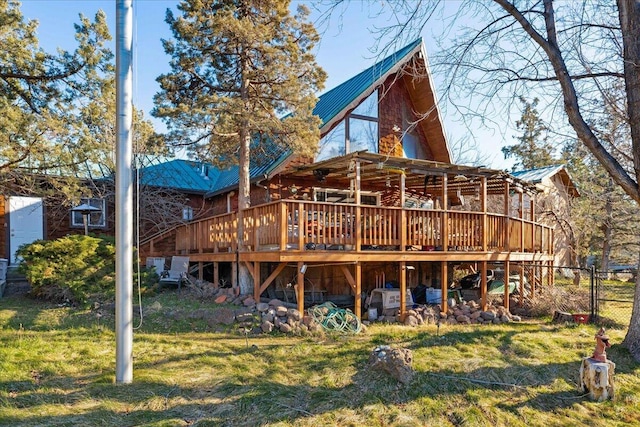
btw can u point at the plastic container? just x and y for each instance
(581, 318)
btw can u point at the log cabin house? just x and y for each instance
(380, 205)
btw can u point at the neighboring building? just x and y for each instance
(556, 191)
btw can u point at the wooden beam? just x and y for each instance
(272, 277)
(358, 298)
(216, 274)
(443, 285)
(256, 281)
(506, 285)
(350, 279)
(300, 288)
(483, 284)
(403, 290)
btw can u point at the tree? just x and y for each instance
(242, 76)
(533, 149)
(40, 98)
(569, 54)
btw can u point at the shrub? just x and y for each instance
(77, 269)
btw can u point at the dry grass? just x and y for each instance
(57, 369)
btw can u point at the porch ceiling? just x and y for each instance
(421, 176)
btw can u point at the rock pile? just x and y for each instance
(467, 312)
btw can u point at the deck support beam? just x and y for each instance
(300, 288)
(358, 299)
(270, 279)
(483, 284)
(506, 285)
(444, 265)
(403, 290)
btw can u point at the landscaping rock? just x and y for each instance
(267, 327)
(285, 327)
(395, 361)
(262, 307)
(223, 315)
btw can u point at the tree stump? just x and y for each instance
(562, 317)
(596, 378)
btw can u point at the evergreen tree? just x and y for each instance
(533, 149)
(41, 94)
(241, 71)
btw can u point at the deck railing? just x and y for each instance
(303, 225)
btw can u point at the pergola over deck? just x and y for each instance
(298, 230)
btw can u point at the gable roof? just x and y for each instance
(335, 103)
(537, 175)
(332, 106)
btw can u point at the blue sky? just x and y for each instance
(345, 49)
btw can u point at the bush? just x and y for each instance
(77, 269)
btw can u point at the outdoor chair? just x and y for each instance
(177, 273)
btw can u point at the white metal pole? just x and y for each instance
(124, 192)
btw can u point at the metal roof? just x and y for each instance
(348, 94)
(178, 174)
(537, 175)
(188, 175)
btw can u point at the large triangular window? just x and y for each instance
(358, 131)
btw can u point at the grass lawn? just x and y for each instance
(57, 368)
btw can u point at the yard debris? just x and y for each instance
(394, 361)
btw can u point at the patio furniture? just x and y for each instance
(177, 273)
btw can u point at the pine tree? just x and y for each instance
(242, 75)
(41, 95)
(533, 149)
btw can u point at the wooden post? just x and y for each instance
(483, 203)
(200, 271)
(256, 281)
(443, 285)
(358, 292)
(216, 274)
(300, 288)
(507, 205)
(445, 216)
(403, 215)
(403, 290)
(483, 284)
(284, 226)
(506, 285)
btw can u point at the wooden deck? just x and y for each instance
(295, 233)
(303, 231)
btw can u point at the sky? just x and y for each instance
(346, 48)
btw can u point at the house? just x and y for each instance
(556, 190)
(380, 205)
(31, 209)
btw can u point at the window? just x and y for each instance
(357, 132)
(345, 196)
(94, 219)
(187, 213)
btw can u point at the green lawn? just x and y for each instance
(57, 368)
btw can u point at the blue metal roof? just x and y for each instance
(337, 99)
(182, 175)
(188, 175)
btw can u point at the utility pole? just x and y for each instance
(124, 192)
